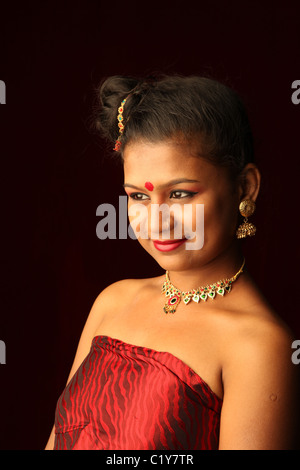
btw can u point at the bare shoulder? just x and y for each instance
(125, 289)
(118, 294)
(260, 337)
(261, 385)
(255, 326)
(106, 303)
(258, 352)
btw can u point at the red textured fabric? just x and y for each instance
(127, 397)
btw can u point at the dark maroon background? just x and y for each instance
(54, 174)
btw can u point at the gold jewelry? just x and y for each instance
(118, 143)
(247, 208)
(201, 293)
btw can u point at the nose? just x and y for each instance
(165, 221)
(157, 221)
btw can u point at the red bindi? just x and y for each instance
(149, 186)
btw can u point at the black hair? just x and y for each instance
(162, 108)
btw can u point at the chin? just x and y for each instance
(176, 260)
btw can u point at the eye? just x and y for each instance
(181, 194)
(138, 196)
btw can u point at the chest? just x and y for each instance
(188, 334)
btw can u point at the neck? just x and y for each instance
(223, 266)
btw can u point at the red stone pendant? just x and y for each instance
(171, 304)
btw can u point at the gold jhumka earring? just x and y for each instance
(246, 229)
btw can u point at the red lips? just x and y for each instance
(168, 245)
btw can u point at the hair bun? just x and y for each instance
(112, 91)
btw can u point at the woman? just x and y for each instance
(194, 358)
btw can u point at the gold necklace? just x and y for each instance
(201, 293)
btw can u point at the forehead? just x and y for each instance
(167, 148)
(148, 161)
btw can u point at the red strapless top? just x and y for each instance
(126, 397)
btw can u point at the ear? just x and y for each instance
(249, 182)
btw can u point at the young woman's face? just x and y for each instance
(206, 216)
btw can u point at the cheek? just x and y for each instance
(138, 219)
(192, 220)
(220, 217)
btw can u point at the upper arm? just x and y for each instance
(260, 394)
(103, 304)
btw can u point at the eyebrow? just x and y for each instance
(164, 185)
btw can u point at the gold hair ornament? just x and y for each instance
(118, 143)
(201, 293)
